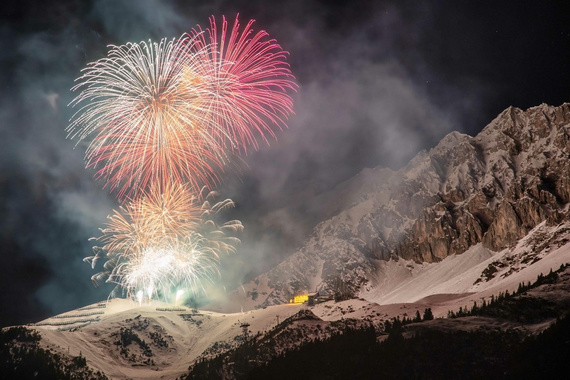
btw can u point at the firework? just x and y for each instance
(187, 262)
(164, 240)
(166, 112)
(146, 106)
(249, 82)
(151, 218)
(160, 120)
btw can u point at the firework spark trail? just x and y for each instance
(145, 104)
(164, 239)
(189, 261)
(167, 111)
(151, 218)
(249, 82)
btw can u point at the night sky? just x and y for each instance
(379, 81)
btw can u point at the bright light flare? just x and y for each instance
(160, 120)
(146, 221)
(179, 294)
(140, 297)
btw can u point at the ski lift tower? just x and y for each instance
(245, 328)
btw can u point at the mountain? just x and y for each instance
(468, 196)
(462, 231)
(125, 339)
(523, 334)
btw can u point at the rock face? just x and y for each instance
(491, 189)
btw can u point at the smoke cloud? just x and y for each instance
(353, 110)
(379, 81)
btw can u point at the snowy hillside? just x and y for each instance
(109, 335)
(124, 339)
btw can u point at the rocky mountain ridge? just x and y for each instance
(492, 189)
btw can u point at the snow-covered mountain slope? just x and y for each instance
(109, 335)
(472, 196)
(126, 340)
(478, 272)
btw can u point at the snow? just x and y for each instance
(189, 339)
(365, 310)
(400, 288)
(551, 261)
(407, 281)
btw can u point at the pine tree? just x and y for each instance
(474, 309)
(428, 315)
(418, 317)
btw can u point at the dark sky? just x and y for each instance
(379, 81)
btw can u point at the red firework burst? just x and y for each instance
(250, 81)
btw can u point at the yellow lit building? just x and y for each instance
(299, 298)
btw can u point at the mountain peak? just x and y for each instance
(450, 141)
(490, 190)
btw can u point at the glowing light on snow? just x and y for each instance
(179, 294)
(140, 297)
